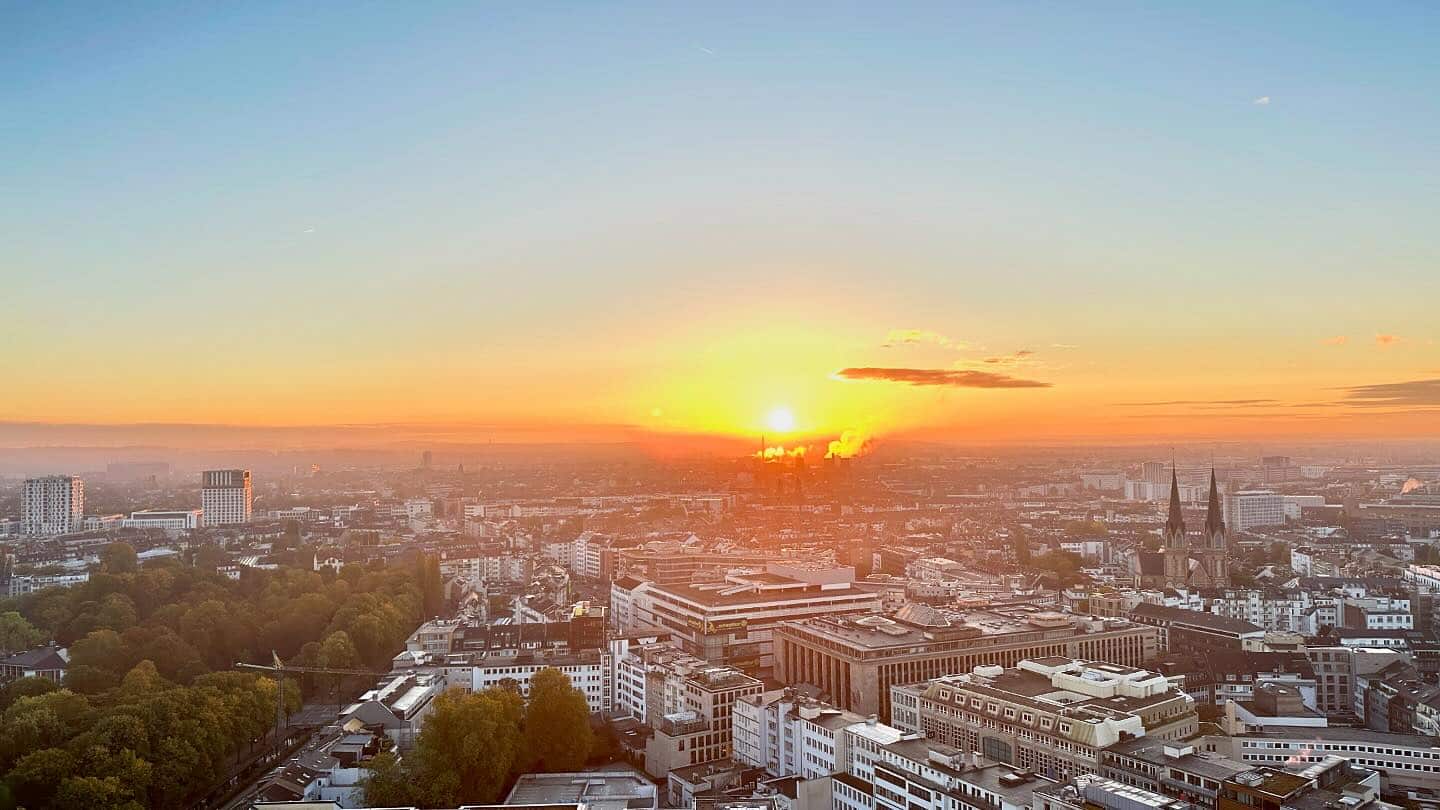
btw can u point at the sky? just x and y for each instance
(954, 222)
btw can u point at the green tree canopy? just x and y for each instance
(557, 723)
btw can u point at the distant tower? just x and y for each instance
(1177, 551)
(426, 459)
(226, 496)
(1214, 557)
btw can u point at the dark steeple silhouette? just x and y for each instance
(1214, 520)
(1175, 523)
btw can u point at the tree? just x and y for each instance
(557, 723)
(119, 558)
(36, 775)
(18, 634)
(41, 721)
(24, 687)
(143, 679)
(388, 783)
(467, 747)
(88, 792)
(337, 652)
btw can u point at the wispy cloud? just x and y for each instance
(963, 378)
(1386, 341)
(1063, 346)
(1222, 403)
(1414, 392)
(1019, 358)
(1262, 101)
(1338, 340)
(918, 337)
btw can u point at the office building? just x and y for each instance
(169, 521)
(789, 734)
(54, 504)
(1051, 715)
(1180, 769)
(1253, 508)
(854, 660)
(701, 731)
(733, 621)
(1091, 792)
(1195, 632)
(226, 497)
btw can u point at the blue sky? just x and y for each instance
(504, 192)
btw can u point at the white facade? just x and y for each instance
(1252, 508)
(586, 555)
(592, 678)
(791, 735)
(170, 521)
(54, 504)
(226, 497)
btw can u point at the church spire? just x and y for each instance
(1214, 519)
(1174, 524)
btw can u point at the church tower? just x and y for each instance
(1215, 554)
(1177, 551)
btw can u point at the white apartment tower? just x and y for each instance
(54, 504)
(225, 496)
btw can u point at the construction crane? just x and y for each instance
(280, 668)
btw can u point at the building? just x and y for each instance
(1251, 508)
(593, 790)
(1195, 632)
(170, 521)
(789, 734)
(1091, 792)
(854, 660)
(398, 706)
(54, 504)
(21, 584)
(226, 497)
(733, 621)
(1408, 760)
(913, 773)
(1051, 715)
(1330, 783)
(1179, 769)
(49, 663)
(701, 732)
(1204, 563)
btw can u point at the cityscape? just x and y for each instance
(628, 406)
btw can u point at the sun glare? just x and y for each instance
(781, 420)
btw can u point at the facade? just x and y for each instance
(1195, 632)
(1179, 769)
(1253, 508)
(733, 622)
(1408, 760)
(701, 731)
(1053, 715)
(854, 660)
(54, 504)
(174, 521)
(226, 497)
(788, 734)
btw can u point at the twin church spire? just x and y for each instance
(1210, 568)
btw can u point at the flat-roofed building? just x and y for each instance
(732, 622)
(1408, 760)
(1182, 769)
(854, 660)
(1052, 715)
(1194, 631)
(170, 521)
(702, 730)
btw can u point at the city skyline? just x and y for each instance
(674, 227)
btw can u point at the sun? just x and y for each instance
(781, 419)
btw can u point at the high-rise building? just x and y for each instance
(225, 496)
(1254, 507)
(54, 504)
